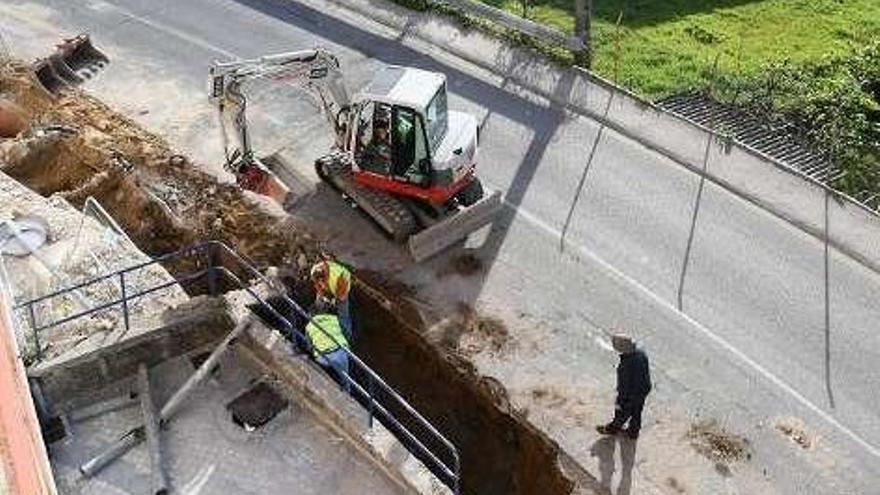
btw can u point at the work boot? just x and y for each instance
(632, 434)
(608, 429)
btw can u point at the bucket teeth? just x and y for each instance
(73, 62)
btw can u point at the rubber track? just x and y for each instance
(390, 213)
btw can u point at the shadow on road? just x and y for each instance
(603, 449)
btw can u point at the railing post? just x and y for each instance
(124, 299)
(457, 482)
(370, 391)
(33, 318)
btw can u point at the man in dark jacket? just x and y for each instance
(633, 386)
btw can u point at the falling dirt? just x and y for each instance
(718, 445)
(481, 333)
(464, 264)
(164, 202)
(468, 333)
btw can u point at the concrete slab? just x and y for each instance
(206, 452)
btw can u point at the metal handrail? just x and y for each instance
(451, 471)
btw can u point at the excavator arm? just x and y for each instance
(315, 71)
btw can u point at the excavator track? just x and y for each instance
(392, 215)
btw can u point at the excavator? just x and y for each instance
(399, 153)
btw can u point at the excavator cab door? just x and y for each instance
(412, 164)
(391, 142)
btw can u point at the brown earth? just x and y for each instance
(717, 444)
(164, 203)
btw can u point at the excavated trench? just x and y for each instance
(164, 203)
(500, 451)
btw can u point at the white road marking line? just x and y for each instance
(658, 301)
(195, 40)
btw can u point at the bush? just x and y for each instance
(835, 104)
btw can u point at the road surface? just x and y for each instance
(599, 233)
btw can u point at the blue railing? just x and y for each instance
(210, 260)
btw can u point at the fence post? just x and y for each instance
(583, 10)
(124, 299)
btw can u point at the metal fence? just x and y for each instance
(480, 10)
(218, 266)
(779, 140)
(776, 139)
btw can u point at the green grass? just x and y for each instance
(664, 46)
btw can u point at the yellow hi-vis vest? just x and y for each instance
(321, 342)
(335, 273)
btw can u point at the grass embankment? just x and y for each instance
(814, 62)
(664, 46)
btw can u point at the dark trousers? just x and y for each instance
(628, 408)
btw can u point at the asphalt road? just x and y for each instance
(592, 239)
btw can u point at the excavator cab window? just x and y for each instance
(411, 163)
(373, 152)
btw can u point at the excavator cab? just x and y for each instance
(408, 142)
(391, 143)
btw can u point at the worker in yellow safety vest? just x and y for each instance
(333, 283)
(328, 344)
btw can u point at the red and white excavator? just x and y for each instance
(400, 154)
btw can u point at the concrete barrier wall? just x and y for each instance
(24, 465)
(853, 229)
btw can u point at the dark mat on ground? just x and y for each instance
(257, 406)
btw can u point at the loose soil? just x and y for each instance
(794, 430)
(464, 265)
(718, 445)
(164, 203)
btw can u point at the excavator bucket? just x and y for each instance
(443, 234)
(73, 62)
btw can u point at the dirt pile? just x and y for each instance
(12, 119)
(158, 196)
(794, 430)
(718, 445)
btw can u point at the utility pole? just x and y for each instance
(583, 11)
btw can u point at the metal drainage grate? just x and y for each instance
(777, 140)
(256, 407)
